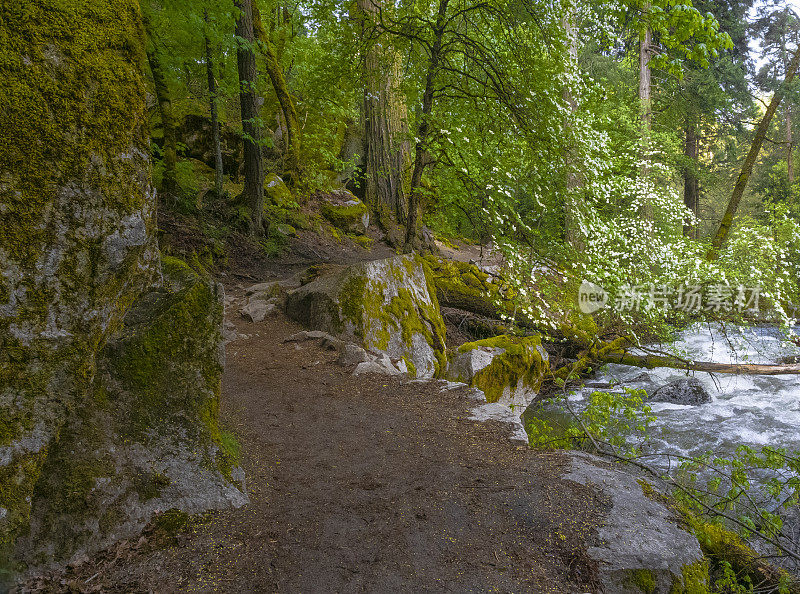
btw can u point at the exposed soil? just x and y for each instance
(361, 484)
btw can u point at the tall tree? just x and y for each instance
(253, 194)
(713, 101)
(691, 185)
(779, 29)
(645, 101)
(421, 155)
(384, 114)
(169, 183)
(573, 181)
(276, 76)
(212, 93)
(671, 33)
(747, 167)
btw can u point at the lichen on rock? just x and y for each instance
(508, 369)
(388, 305)
(147, 439)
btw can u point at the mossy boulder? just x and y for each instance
(277, 193)
(345, 211)
(147, 438)
(508, 369)
(388, 305)
(77, 242)
(283, 230)
(196, 135)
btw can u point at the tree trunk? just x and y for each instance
(747, 168)
(789, 145)
(386, 148)
(646, 107)
(691, 187)
(169, 183)
(215, 134)
(415, 203)
(275, 72)
(788, 117)
(253, 195)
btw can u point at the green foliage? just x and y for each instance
(620, 420)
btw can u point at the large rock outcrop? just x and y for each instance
(77, 251)
(389, 305)
(642, 546)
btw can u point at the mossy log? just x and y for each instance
(653, 361)
(615, 352)
(463, 286)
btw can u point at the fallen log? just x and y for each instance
(473, 324)
(653, 361)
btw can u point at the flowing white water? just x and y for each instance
(745, 409)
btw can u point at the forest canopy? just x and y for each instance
(623, 143)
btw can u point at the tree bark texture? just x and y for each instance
(288, 109)
(387, 158)
(691, 185)
(169, 183)
(253, 195)
(215, 134)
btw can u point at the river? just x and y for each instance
(745, 409)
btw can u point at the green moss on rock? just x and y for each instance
(642, 580)
(387, 304)
(277, 193)
(148, 438)
(349, 216)
(77, 241)
(695, 579)
(522, 365)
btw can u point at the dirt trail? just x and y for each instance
(363, 484)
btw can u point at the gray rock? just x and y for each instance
(257, 310)
(388, 304)
(331, 343)
(640, 538)
(273, 288)
(464, 366)
(687, 391)
(376, 367)
(229, 333)
(351, 354)
(493, 411)
(309, 335)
